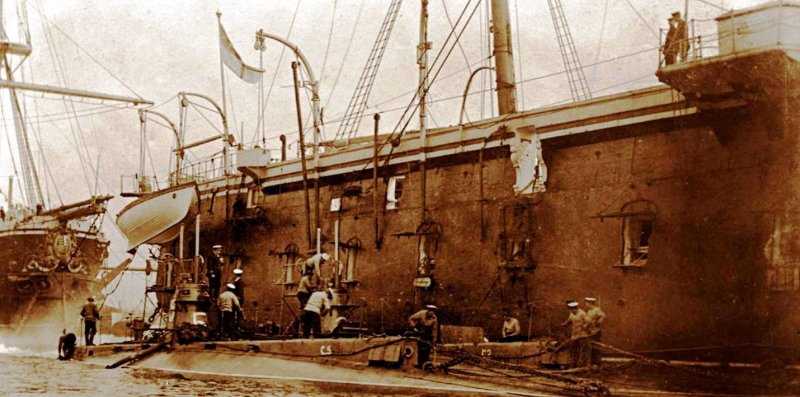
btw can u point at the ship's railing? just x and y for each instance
(775, 26)
(136, 185)
(697, 45)
(197, 171)
(206, 168)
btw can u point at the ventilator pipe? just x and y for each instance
(466, 91)
(377, 118)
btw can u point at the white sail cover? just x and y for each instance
(234, 62)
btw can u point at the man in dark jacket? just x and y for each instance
(214, 271)
(90, 316)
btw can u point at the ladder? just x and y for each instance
(352, 116)
(577, 80)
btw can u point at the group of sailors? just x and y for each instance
(314, 298)
(584, 326)
(230, 301)
(585, 329)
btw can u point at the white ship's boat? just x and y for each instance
(156, 219)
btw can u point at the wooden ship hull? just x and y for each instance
(675, 205)
(50, 264)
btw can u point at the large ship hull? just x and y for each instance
(48, 267)
(675, 206)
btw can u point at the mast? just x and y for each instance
(503, 58)
(422, 61)
(33, 189)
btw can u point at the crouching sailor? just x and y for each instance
(426, 325)
(66, 345)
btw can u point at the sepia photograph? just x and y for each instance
(387, 197)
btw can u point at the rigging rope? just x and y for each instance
(195, 106)
(58, 66)
(44, 17)
(715, 6)
(37, 132)
(411, 106)
(346, 53)
(328, 45)
(432, 79)
(600, 40)
(11, 156)
(643, 20)
(275, 73)
(460, 47)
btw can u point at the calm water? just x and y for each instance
(29, 373)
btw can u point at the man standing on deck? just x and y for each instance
(596, 317)
(426, 325)
(681, 37)
(228, 305)
(90, 316)
(670, 48)
(214, 270)
(577, 343)
(318, 305)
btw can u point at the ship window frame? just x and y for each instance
(638, 227)
(394, 191)
(288, 260)
(350, 251)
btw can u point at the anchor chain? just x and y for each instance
(589, 387)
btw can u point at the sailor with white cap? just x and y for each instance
(577, 340)
(238, 282)
(228, 305)
(318, 305)
(315, 263)
(596, 317)
(426, 325)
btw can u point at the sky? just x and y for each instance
(154, 49)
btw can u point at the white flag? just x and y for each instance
(234, 62)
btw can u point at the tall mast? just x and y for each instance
(33, 190)
(422, 61)
(503, 58)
